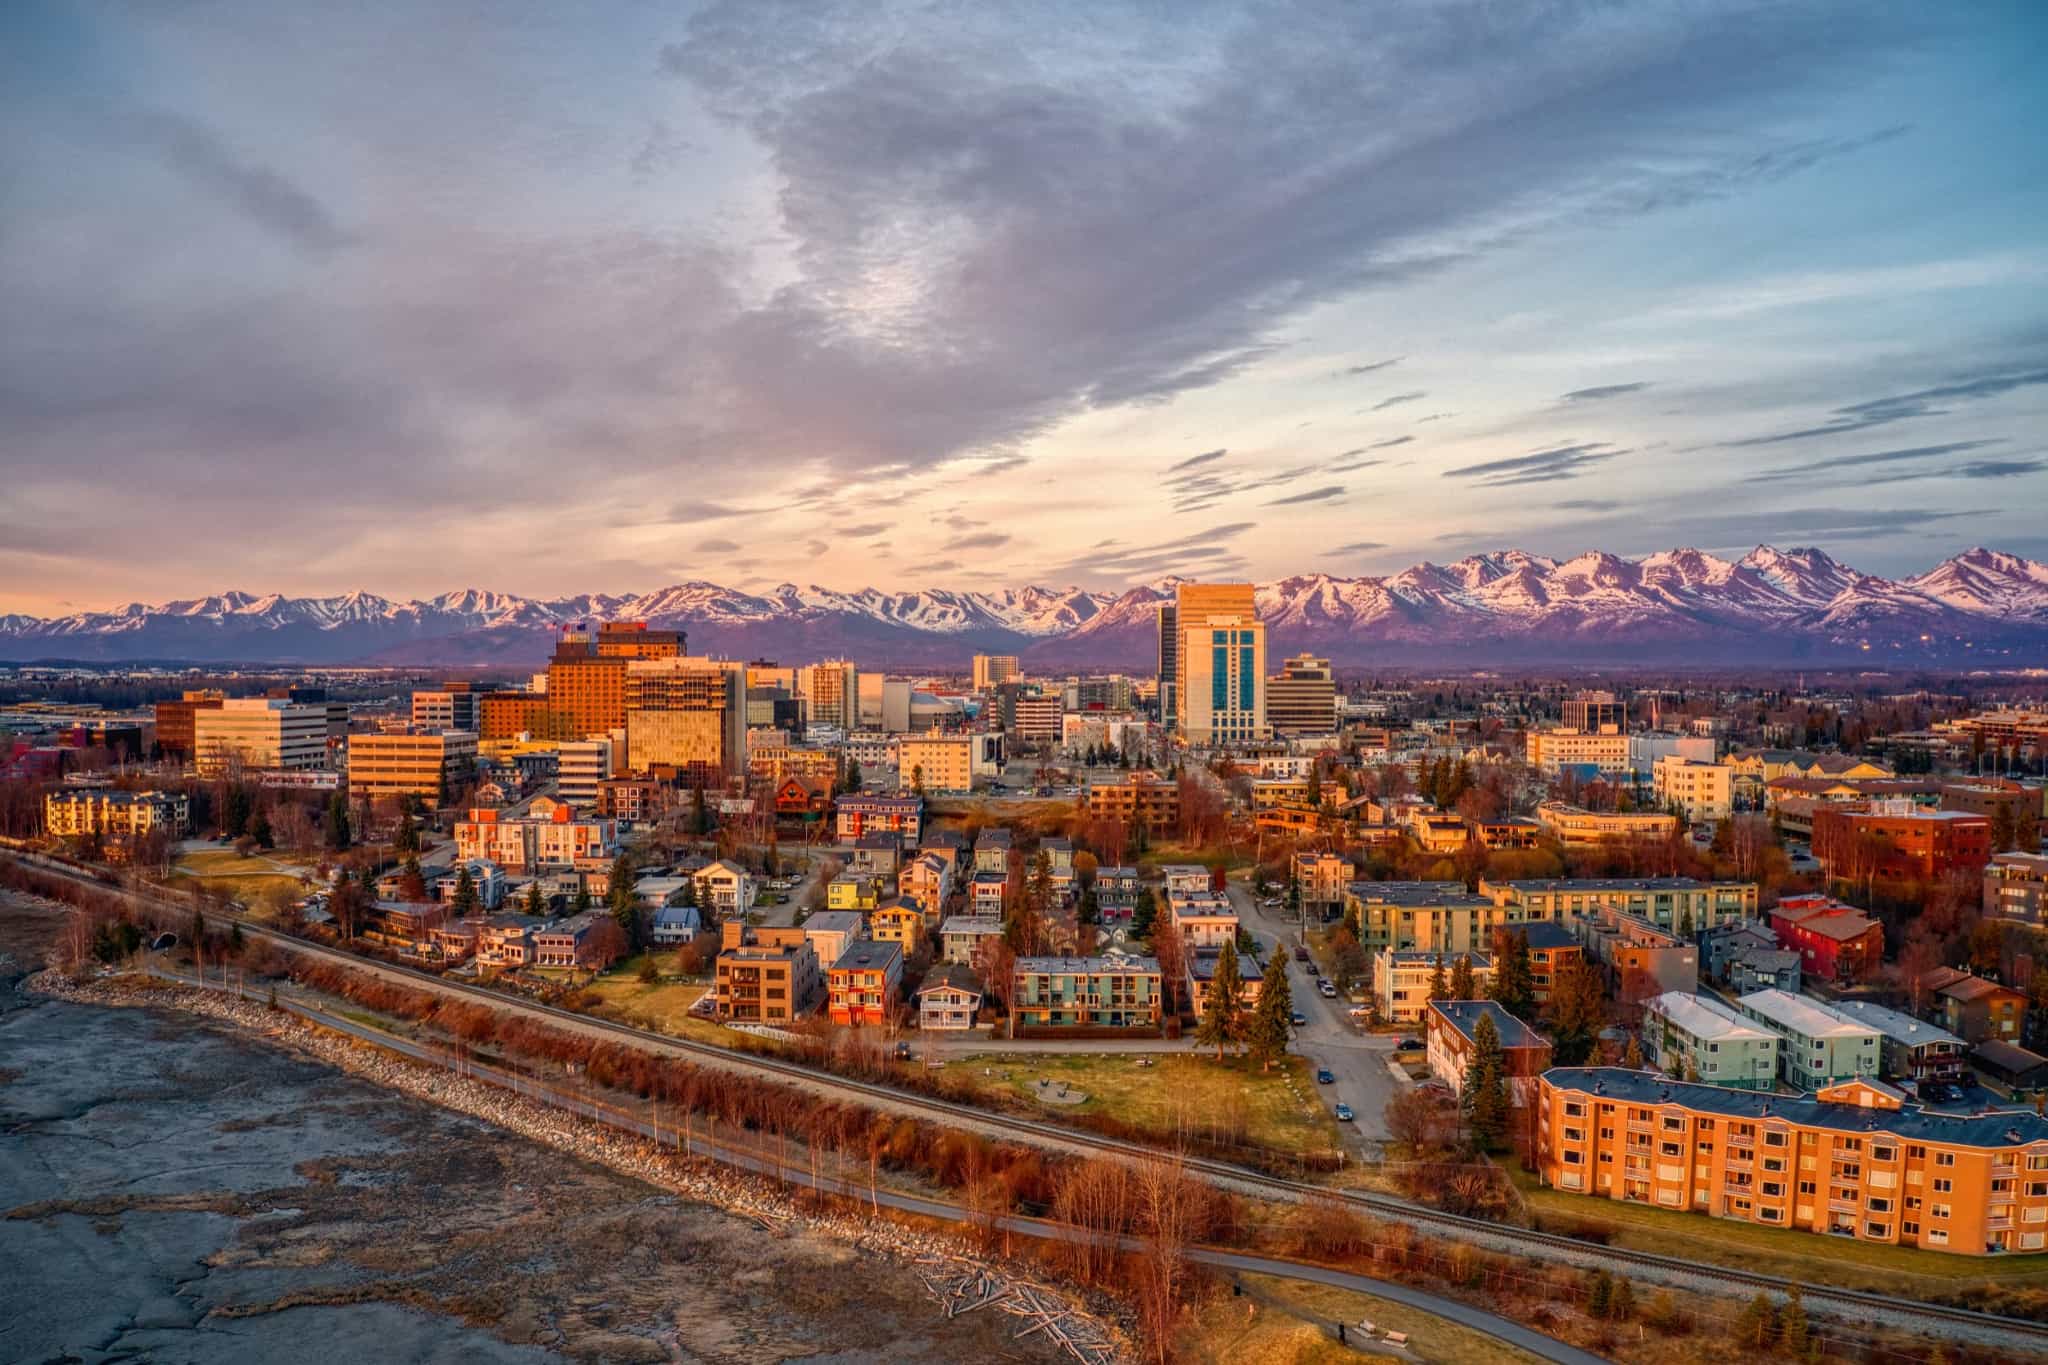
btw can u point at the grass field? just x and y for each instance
(663, 1005)
(1282, 1322)
(1839, 1261)
(1178, 1092)
(254, 880)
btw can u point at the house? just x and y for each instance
(853, 891)
(1448, 1027)
(898, 921)
(992, 851)
(987, 892)
(1896, 1173)
(832, 931)
(1116, 892)
(961, 936)
(589, 941)
(949, 998)
(2010, 1069)
(1697, 1038)
(657, 892)
(455, 941)
(1973, 1008)
(487, 878)
(1085, 993)
(860, 814)
(1400, 980)
(928, 880)
(1201, 971)
(1910, 1049)
(863, 984)
(675, 925)
(799, 797)
(506, 941)
(1205, 919)
(725, 887)
(1835, 942)
(1187, 878)
(1059, 853)
(877, 855)
(765, 975)
(1820, 1046)
(1643, 959)
(1719, 943)
(1764, 969)
(2016, 888)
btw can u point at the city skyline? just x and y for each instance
(753, 295)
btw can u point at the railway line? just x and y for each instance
(1847, 1304)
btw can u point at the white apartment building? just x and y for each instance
(260, 732)
(1821, 1046)
(581, 765)
(1696, 1038)
(1705, 792)
(831, 693)
(1551, 750)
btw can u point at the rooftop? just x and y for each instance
(1802, 1016)
(1411, 957)
(1464, 1016)
(1615, 884)
(1704, 1018)
(1416, 893)
(1202, 965)
(970, 924)
(1900, 1028)
(1088, 966)
(950, 975)
(869, 955)
(1998, 1129)
(1546, 933)
(833, 922)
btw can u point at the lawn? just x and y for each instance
(662, 1005)
(1839, 1261)
(1284, 1322)
(1191, 1092)
(254, 879)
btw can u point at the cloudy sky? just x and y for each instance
(555, 298)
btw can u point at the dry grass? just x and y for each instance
(252, 880)
(1282, 1322)
(662, 1007)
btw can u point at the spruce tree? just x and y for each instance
(1757, 1326)
(1437, 986)
(1623, 1306)
(1794, 1333)
(1225, 1002)
(465, 903)
(1463, 986)
(625, 906)
(1514, 980)
(1272, 1021)
(338, 836)
(1577, 1012)
(1486, 1098)
(1143, 914)
(536, 904)
(1599, 1294)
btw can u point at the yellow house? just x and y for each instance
(850, 891)
(898, 921)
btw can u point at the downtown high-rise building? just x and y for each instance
(1219, 664)
(1302, 698)
(992, 669)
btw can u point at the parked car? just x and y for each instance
(1300, 954)
(1314, 970)
(1326, 1077)
(1408, 1045)
(1344, 1114)
(1299, 1019)
(1328, 988)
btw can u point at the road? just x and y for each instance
(1360, 1061)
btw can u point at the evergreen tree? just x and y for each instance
(1315, 786)
(1463, 985)
(1794, 1332)
(407, 839)
(1225, 1002)
(1437, 986)
(853, 775)
(1632, 1055)
(260, 831)
(1685, 923)
(1514, 980)
(700, 812)
(338, 835)
(1577, 1012)
(195, 933)
(1089, 911)
(536, 904)
(625, 906)
(917, 779)
(582, 901)
(1486, 1098)
(1143, 914)
(412, 883)
(1623, 1306)
(1294, 897)
(1757, 1326)
(465, 903)
(1599, 1293)
(1272, 1021)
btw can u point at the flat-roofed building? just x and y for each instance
(1085, 993)
(1302, 698)
(1642, 958)
(864, 982)
(1221, 697)
(1205, 919)
(765, 975)
(1682, 905)
(451, 706)
(1551, 751)
(1894, 839)
(260, 732)
(990, 670)
(1586, 828)
(1448, 1042)
(1137, 798)
(687, 716)
(1910, 1049)
(1856, 1159)
(2016, 888)
(1039, 719)
(1704, 792)
(1821, 1046)
(831, 931)
(831, 693)
(961, 936)
(936, 762)
(399, 764)
(175, 727)
(549, 836)
(1697, 1038)
(1200, 973)
(1594, 713)
(1401, 977)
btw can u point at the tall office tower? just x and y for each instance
(1222, 664)
(831, 692)
(1302, 698)
(1169, 665)
(587, 675)
(174, 726)
(633, 640)
(451, 706)
(990, 669)
(688, 716)
(1594, 713)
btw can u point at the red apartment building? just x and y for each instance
(1835, 942)
(1892, 840)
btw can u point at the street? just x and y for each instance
(1360, 1061)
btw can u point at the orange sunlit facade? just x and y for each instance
(1852, 1160)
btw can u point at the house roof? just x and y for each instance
(833, 922)
(1800, 1015)
(2010, 1058)
(1545, 933)
(970, 924)
(956, 976)
(1900, 1028)
(869, 955)
(1705, 1018)
(1088, 966)
(1202, 965)
(1464, 1016)
(1967, 988)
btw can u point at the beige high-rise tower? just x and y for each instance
(1220, 664)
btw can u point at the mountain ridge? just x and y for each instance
(1506, 606)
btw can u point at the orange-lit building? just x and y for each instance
(1852, 1160)
(1900, 841)
(507, 715)
(1135, 798)
(174, 723)
(863, 984)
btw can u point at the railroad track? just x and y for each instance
(1848, 1303)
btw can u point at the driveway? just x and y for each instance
(1359, 1060)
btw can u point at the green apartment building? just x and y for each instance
(1085, 993)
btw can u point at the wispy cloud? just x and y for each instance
(1542, 466)
(1880, 412)
(1598, 392)
(1373, 368)
(1313, 495)
(1876, 457)
(261, 194)
(1397, 399)
(1195, 461)
(980, 540)
(718, 546)
(1358, 547)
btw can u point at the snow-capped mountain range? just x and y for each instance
(1677, 606)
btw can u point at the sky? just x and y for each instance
(560, 298)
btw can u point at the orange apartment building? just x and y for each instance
(765, 975)
(1852, 1160)
(863, 984)
(1136, 798)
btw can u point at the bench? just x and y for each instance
(1396, 1338)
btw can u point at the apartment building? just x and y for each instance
(1448, 1026)
(774, 759)
(1553, 949)
(1401, 977)
(101, 810)
(1199, 974)
(831, 693)
(1820, 1046)
(401, 764)
(687, 717)
(1697, 1038)
(1205, 919)
(859, 815)
(1854, 1160)
(586, 942)
(1641, 958)
(1703, 792)
(1552, 751)
(991, 670)
(1683, 905)
(1221, 661)
(864, 982)
(510, 715)
(1140, 798)
(898, 921)
(927, 882)
(961, 936)
(1322, 878)
(255, 733)
(1835, 942)
(1896, 840)
(936, 762)
(1910, 1049)
(765, 975)
(582, 767)
(1430, 916)
(1573, 825)
(637, 800)
(2016, 888)
(1974, 1008)
(451, 706)
(1085, 993)
(831, 932)
(176, 731)
(1038, 719)
(1301, 699)
(549, 836)
(1594, 713)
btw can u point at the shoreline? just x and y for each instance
(700, 1179)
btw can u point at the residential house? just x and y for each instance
(1697, 1038)
(928, 880)
(877, 855)
(1835, 942)
(801, 797)
(860, 814)
(1821, 1046)
(1719, 943)
(674, 925)
(1910, 1049)
(1401, 977)
(726, 888)
(2009, 1069)
(992, 851)
(1116, 892)
(1764, 969)
(987, 893)
(589, 942)
(1974, 1008)
(506, 941)
(1322, 878)
(1085, 993)
(487, 879)
(1205, 919)
(1448, 1028)
(961, 936)
(864, 983)
(853, 891)
(1200, 972)
(898, 921)
(948, 999)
